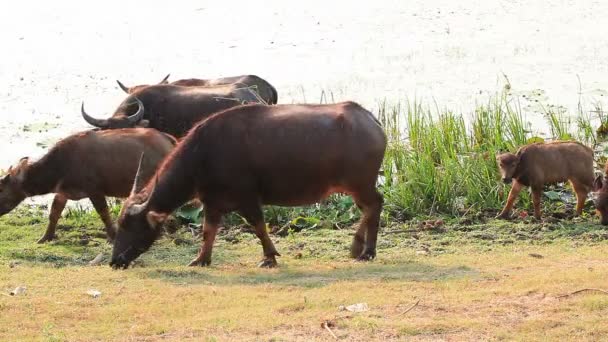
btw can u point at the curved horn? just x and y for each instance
(135, 118)
(91, 120)
(138, 208)
(165, 80)
(123, 87)
(138, 181)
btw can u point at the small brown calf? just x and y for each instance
(538, 164)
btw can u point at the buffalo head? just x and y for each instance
(138, 226)
(11, 187)
(120, 119)
(507, 163)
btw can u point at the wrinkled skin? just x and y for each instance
(507, 164)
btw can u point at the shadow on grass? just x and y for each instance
(292, 276)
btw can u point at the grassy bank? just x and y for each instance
(488, 279)
(445, 268)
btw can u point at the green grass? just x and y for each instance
(475, 277)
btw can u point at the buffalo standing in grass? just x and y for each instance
(92, 164)
(264, 89)
(172, 109)
(245, 157)
(538, 164)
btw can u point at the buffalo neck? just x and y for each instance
(173, 186)
(42, 176)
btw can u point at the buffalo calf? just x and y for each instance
(248, 156)
(538, 164)
(92, 164)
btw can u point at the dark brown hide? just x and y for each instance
(249, 156)
(264, 89)
(175, 109)
(601, 202)
(92, 164)
(538, 164)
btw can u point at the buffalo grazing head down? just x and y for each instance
(600, 185)
(138, 226)
(11, 189)
(120, 119)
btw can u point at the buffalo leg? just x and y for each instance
(210, 227)
(515, 190)
(101, 206)
(254, 215)
(581, 195)
(536, 193)
(56, 209)
(364, 242)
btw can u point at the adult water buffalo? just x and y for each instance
(92, 164)
(172, 109)
(245, 157)
(264, 89)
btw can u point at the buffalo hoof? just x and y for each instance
(268, 263)
(356, 249)
(47, 238)
(503, 216)
(200, 262)
(367, 256)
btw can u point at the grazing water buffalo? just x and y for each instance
(245, 157)
(264, 89)
(601, 202)
(172, 109)
(92, 164)
(538, 164)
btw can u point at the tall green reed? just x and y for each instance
(442, 162)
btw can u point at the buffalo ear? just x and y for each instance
(155, 219)
(598, 183)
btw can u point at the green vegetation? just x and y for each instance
(491, 279)
(474, 277)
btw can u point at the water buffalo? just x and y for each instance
(249, 156)
(92, 164)
(600, 185)
(264, 89)
(538, 164)
(172, 109)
